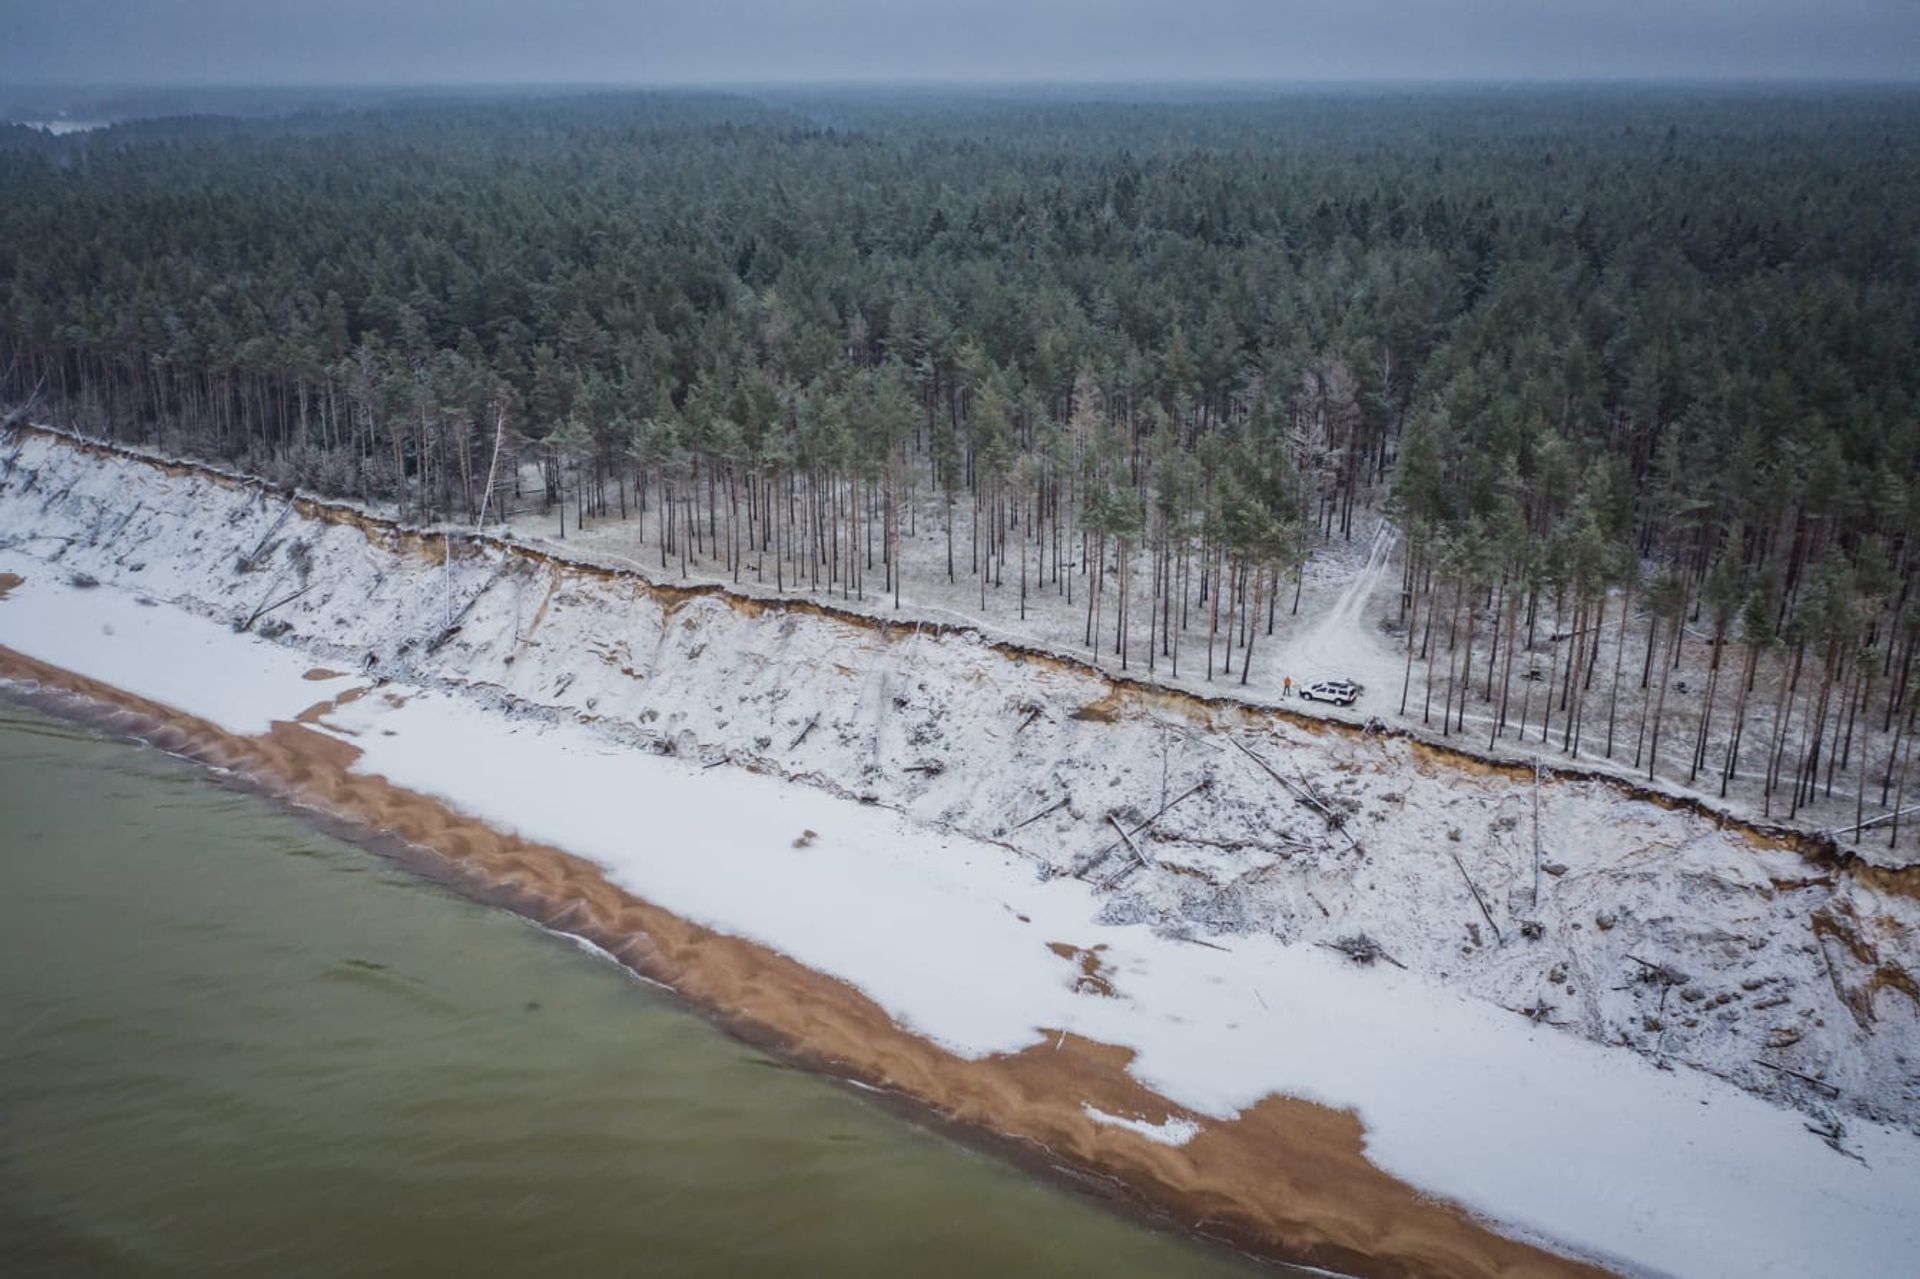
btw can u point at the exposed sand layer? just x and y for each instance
(1288, 1179)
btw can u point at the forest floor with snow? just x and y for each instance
(1347, 623)
(1653, 1041)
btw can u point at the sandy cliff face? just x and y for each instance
(1664, 931)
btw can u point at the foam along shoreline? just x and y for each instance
(922, 962)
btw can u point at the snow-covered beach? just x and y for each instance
(873, 805)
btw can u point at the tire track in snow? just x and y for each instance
(1338, 646)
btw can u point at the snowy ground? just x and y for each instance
(1340, 578)
(1347, 625)
(1513, 1063)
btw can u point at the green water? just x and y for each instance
(231, 1044)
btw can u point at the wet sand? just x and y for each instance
(1288, 1179)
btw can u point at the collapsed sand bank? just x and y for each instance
(435, 547)
(1288, 1179)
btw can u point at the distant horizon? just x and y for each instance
(315, 44)
(1220, 84)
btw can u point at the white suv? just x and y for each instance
(1341, 692)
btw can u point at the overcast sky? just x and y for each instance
(261, 42)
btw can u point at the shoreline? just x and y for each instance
(666, 741)
(1288, 1181)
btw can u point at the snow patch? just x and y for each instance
(242, 683)
(1174, 1131)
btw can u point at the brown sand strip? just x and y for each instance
(1286, 1180)
(7, 582)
